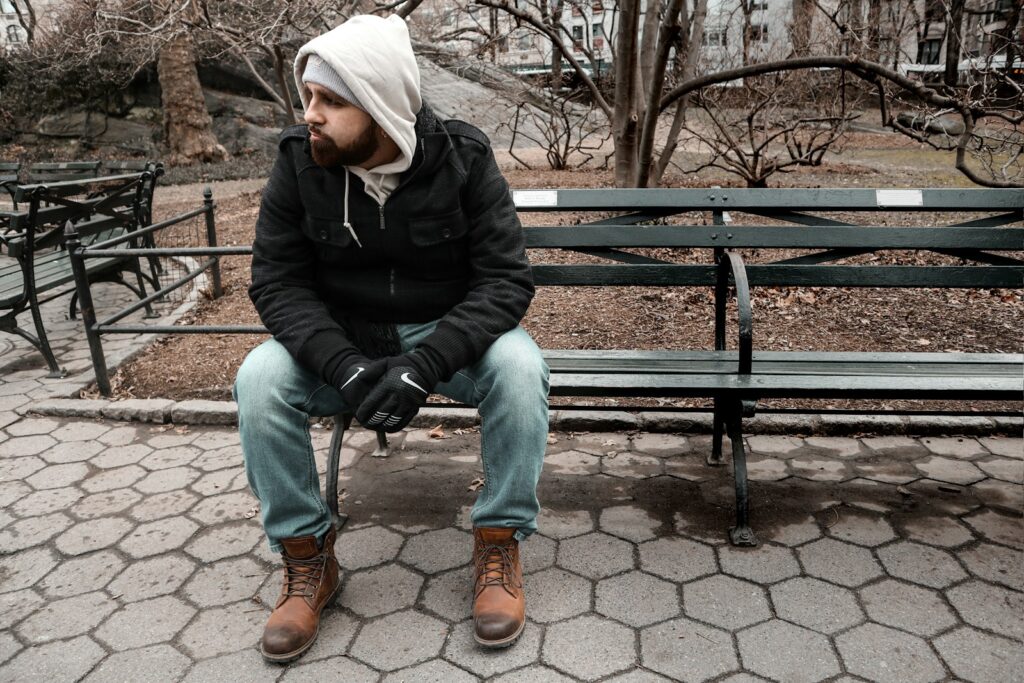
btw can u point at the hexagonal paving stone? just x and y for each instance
(677, 559)
(153, 538)
(165, 440)
(631, 465)
(595, 555)
(955, 446)
(399, 640)
(220, 481)
(337, 629)
(46, 501)
(997, 527)
(554, 594)
(815, 604)
(245, 666)
(13, 469)
(155, 664)
(378, 591)
(977, 656)
(996, 563)
(222, 458)
(26, 445)
(69, 660)
(570, 462)
(766, 469)
(56, 476)
(888, 472)
(536, 553)
(992, 608)
(80, 431)
(764, 564)
(530, 674)
(1000, 495)
(225, 540)
(82, 575)
(1006, 447)
(224, 582)
(167, 458)
(797, 532)
(726, 602)
(629, 522)
(66, 618)
(949, 470)
(559, 524)
(882, 654)
(32, 426)
(119, 436)
(145, 623)
(333, 669)
(227, 507)
(1006, 469)
(920, 564)
(167, 480)
(151, 578)
(222, 630)
(22, 570)
(435, 551)
(663, 445)
(692, 467)
(775, 445)
(433, 671)
(945, 532)
(121, 456)
(836, 446)
(367, 547)
(819, 469)
(105, 503)
(908, 607)
(13, 491)
(32, 531)
(72, 451)
(162, 505)
(450, 594)
(17, 605)
(785, 652)
(637, 599)
(589, 647)
(862, 529)
(92, 535)
(9, 646)
(687, 651)
(115, 478)
(838, 562)
(463, 650)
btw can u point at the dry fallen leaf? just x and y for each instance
(476, 484)
(253, 511)
(436, 433)
(552, 439)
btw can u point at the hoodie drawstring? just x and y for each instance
(348, 225)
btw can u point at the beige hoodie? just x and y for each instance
(374, 57)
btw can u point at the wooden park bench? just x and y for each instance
(37, 268)
(62, 171)
(739, 377)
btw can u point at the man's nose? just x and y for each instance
(313, 116)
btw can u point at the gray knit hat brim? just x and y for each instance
(320, 72)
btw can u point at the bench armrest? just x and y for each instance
(731, 263)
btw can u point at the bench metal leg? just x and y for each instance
(715, 457)
(41, 342)
(342, 422)
(741, 534)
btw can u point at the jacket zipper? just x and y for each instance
(381, 209)
(392, 282)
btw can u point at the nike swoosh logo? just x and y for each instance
(405, 378)
(349, 380)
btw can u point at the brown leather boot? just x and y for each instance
(499, 604)
(310, 583)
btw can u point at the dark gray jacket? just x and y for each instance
(446, 244)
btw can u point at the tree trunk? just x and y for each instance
(624, 122)
(187, 124)
(954, 24)
(648, 44)
(874, 32)
(800, 29)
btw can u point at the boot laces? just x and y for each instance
(302, 577)
(496, 567)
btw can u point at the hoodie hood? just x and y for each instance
(374, 57)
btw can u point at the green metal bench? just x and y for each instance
(62, 171)
(37, 268)
(736, 379)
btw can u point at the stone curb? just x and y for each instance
(196, 412)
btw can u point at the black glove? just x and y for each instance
(355, 380)
(399, 394)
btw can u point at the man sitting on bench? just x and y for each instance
(388, 263)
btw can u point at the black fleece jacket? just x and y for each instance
(447, 244)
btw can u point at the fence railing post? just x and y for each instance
(99, 363)
(211, 241)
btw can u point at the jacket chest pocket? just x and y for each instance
(327, 231)
(429, 231)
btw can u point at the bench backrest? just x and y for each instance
(9, 171)
(795, 224)
(52, 172)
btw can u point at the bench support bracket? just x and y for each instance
(342, 422)
(741, 534)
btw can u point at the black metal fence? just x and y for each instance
(177, 241)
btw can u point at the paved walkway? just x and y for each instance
(133, 552)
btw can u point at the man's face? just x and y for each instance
(339, 132)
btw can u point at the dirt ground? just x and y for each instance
(203, 366)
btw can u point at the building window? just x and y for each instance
(758, 33)
(928, 51)
(598, 30)
(13, 34)
(714, 39)
(7, 7)
(525, 42)
(598, 44)
(597, 7)
(577, 33)
(755, 6)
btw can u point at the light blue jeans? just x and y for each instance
(276, 396)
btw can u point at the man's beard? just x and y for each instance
(327, 154)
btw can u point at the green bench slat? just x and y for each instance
(782, 276)
(783, 199)
(759, 386)
(792, 237)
